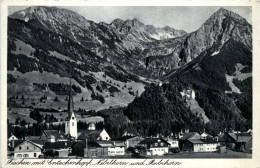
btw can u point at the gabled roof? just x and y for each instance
(149, 141)
(58, 144)
(232, 135)
(189, 135)
(57, 134)
(243, 137)
(18, 142)
(124, 138)
(202, 141)
(91, 144)
(110, 143)
(34, 143)
(90, 134)
(33, 137)
(196, 141)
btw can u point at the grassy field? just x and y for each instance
(230, 154)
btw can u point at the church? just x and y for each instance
(71, 121)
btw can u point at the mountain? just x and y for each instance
(218, 29)
(116, 64)
(121, 42)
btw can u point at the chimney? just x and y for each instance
(114, 143)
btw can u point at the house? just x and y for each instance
(53, 136)
(186, 137)
(92, 126)
(114, 148)
(130, 141)
(63, 148)
(27, 148)
(237, 141)
(127, 133)
(205, 135)
(12, 137)
(94, 135)
(174, 143)
(11, 140)
(85, 148)
(200, 145)
(155, 146)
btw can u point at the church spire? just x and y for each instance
(70, 102)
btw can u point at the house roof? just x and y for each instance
(243, 137)
(202, 141)
(189, 135)
(91, 144)
(58, 144)
(33, 137)
(240, 137)
(105, 143)
(57, 134)
(90, 134)
(36, 143)
(124, 138)
(18, 142)
(149, 141)
(111, 143)
(196, 141)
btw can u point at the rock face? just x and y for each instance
(218, 29)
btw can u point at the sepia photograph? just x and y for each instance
(129, 82)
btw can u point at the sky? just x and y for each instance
(188, 18)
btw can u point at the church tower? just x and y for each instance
(71, 121)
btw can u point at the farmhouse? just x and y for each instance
(27, 148)
(200, 145)
(113, 147)
(85, 148)
(155, 146)
(53, 136)
(174, 143)
(186, 137)
(130, 141)
(63, 148)
(94, 135)
(237, 141)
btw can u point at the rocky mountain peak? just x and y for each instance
(134, 23)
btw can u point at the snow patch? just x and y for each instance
(215, 53)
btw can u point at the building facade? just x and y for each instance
(27, 149)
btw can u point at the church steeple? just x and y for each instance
(70, 103)
(71, 123)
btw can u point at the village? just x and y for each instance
(97, 143)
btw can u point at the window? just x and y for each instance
(154, 149)
(161, 144)
(25, 155)
(27, 147)
(20, 148)
(19, 155)
(156, 144)
(34, 155)
(72, 123)
(72, 118)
